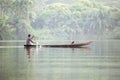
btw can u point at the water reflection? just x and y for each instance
(30, 51)
(81, 49)
(36, 51)
(99, 62)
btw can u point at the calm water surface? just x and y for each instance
(98, 61)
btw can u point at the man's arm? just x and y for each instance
(32, 37)
(32, 41)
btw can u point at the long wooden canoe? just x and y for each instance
(63, 45)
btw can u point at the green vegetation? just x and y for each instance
(60, 19)
(15, 18)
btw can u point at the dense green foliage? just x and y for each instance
(60, 19)
(15, 18)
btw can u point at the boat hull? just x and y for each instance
(64, 45)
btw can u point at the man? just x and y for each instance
(29, 40)
(72, 42)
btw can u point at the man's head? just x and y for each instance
(29, 35)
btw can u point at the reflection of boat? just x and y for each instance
(75, 45)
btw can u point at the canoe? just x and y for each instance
(75, 45)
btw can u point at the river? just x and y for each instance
(97, 61)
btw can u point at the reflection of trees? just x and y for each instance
(13, 63)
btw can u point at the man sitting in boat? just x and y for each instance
(29, 40)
